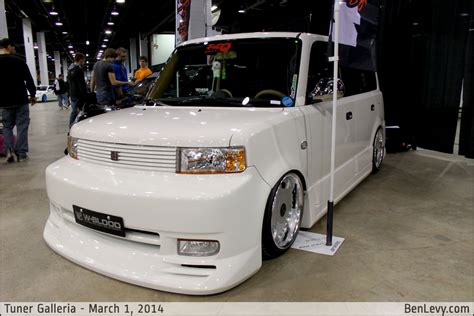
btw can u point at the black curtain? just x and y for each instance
(466, 139)
(421, 63)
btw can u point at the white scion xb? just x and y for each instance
(220, 167)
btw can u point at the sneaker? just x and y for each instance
(11, 155)
(22, 158)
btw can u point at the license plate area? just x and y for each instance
(106, 223)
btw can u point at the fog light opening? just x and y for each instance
(198, 248)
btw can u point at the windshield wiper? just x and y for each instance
(153, 102)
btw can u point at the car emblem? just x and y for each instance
(114, 155)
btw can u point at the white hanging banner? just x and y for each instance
(183, 12)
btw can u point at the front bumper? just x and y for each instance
(157, 209)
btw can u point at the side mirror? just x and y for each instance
(323, 91)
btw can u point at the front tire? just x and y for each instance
(378, 152)
(283, 214)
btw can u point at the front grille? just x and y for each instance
(128, 156)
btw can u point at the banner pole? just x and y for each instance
(335, 59)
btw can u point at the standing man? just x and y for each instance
(103, 78)
(120, 72)
(14, 101)
(143, 71)
(60, 89)
(77, 86)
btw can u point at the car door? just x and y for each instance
(362, 99)
(318, 119)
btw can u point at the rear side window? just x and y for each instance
(357, 81)
(320, 77)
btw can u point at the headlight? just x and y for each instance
(198, 248)
(211, 160)
(72, 146)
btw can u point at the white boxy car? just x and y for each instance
(45, 94)
(220, 167)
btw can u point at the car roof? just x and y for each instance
(256, 35)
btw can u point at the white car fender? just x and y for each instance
(276, 147)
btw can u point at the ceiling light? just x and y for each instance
(53, 11)
(87, 42)
(110, 22)
(106, 39)
(64, 32)
(71, 51)
(241, 11)
(104, 46)
(114, 11)
(108, 32)
(70, 46)
(59, 23)
(87, 55)
(35, 46)
(87, 61)
(101, 51)
(120, 1)
(98, 58)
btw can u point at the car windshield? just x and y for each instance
(42, 88)
(142, 86)
(243, 72)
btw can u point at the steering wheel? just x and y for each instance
(270, 92)
(227, 91)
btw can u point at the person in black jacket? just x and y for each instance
(77, 86)
(14, 82)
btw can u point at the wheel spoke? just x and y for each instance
(286, 211)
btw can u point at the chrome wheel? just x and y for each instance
(286, 212)
(379, 150)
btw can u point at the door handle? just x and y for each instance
(372, 107)
(349, 116)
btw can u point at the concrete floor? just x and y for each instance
(409, 237)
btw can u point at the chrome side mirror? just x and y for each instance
(323, 90)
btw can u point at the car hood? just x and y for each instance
(175, 126)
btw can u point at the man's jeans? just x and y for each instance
(19, 116)
(74, 112)
(62, 100)
(105, 98)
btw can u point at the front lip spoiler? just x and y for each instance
(136, 264)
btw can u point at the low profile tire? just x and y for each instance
(44, 98)
(378, 152)
(283, 214)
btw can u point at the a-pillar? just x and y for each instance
(65, 68)
(3, 20)
(133, 55)
(29, 50)
(42, 59)
(57, 63)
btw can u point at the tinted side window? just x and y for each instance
(319, 66)
(357, 81)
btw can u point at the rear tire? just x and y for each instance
(378, 151)
(283, 214)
